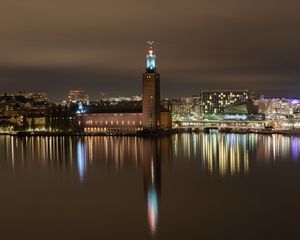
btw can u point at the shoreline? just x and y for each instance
(159, 133)
(83, 134)
(261, 131)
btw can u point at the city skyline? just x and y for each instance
(161, 119)
(96, 46)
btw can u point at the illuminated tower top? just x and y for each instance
(150, 59)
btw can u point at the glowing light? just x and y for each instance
(80, 108)
(152, 209)
(150, 59)
(150, 63)
(295, 101)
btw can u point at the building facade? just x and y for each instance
(216, 101)
(186, 108)
(112, 122)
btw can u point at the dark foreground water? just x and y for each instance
(189, 186)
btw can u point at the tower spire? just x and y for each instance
(150, 59)
(150, 43)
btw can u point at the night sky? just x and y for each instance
(99, 45)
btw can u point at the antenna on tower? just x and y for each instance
(150, 43)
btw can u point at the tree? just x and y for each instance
(25, 123)
(33, 124)
(47, 122)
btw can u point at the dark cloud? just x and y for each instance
(96, 45)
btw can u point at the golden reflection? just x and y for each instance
(214, 153)
(225, 154)
(90, 150)
(221, 154)
(12, 152)
(234, 154)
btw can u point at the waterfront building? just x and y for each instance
(36, 97)
(216, 101)
(277, 107)
(186, 108)
(130, 116)
(17, 108)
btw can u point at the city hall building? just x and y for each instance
(151, 116)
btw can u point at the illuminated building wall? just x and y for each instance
(186, 108)
(117, 122)
(111, 122)
(215, 101)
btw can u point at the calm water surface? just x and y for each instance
(189, 186)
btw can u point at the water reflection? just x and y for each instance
(152, 179)
(225, 154)
(295, 149)
(81, 160)
(221, 155)
(152, 209)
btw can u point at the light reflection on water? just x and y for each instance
(81, 159)
(221, 155)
